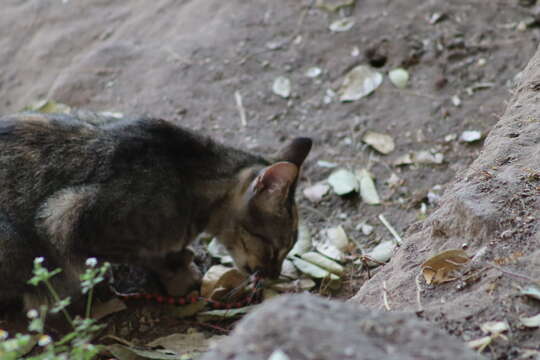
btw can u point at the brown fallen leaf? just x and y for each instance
(220, 282)
(103, 309)
(437, 269)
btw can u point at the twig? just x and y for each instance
(211, 326)
(118, 339)
(385, 297)
(414, 93)
(418, 293)
(240, 107)
(393, 231)
(513, 274)
(300, 23)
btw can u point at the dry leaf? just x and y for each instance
(303, 243)
(102, 309)
(531, 291)
(224, 314)
(438, 268)
(343, 182)
(368, 191)
(188, 343)
(480, 344)
(532, 322)
(220, 280)
(323, 262)
(494, 327)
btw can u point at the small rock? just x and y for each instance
(450, 137)
(342, 25)
(405, 159)
(381, 142)
(278, 355)
(359, 82)
(313, 72)
(282, 87)
(326, 164)
(426, 157)
(329, 96)
(316, 192)
(366, 229)
(471, 136)
(399, 77)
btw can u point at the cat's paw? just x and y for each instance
(183, 280)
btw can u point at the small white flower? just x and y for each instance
(32, 314)
(39, 260)
(44, 340)
(3, 334)
(91, 262)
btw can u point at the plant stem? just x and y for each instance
(89, 302)
(57, 299)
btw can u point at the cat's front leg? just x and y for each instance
(177, 272)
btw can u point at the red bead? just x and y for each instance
(160, 299)
(148, 296)
(170, 300)
(181, 301)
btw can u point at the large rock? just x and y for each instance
(310, 327)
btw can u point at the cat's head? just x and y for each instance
(262, 226)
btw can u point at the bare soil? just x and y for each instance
(184, 61)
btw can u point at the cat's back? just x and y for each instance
(42, 153)
(29, 134)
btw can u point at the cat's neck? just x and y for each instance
(226, 198)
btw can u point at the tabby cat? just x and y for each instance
(136, 192)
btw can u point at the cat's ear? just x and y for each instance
(270, 188)
(295, 152)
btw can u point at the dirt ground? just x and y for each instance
(184, 61)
